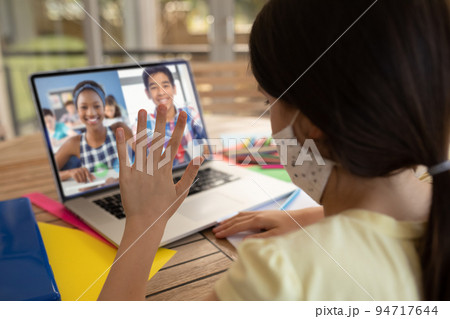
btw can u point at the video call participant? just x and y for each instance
(71, 118)
(58, 131)
(160, 88)
(96, 145)
(112, 111)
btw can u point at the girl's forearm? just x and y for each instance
(64, 175)
(129, 273)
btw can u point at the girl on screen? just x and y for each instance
(96, 146)
(369, 83)
(112, 109)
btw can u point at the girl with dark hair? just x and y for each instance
(112, 109)
(375, 101)
(96, 145)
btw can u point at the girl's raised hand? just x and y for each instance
(149, 198)
(148, 192)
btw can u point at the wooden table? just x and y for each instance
(200, 259)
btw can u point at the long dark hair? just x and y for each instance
(381, 94)
(111, 100)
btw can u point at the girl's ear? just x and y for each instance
(309, 129)
(315, 132)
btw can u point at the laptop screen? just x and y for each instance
(80, 110)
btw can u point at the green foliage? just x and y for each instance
(21, 67)
(246, 10)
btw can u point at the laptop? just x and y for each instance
(221, 190)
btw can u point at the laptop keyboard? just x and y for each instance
(112, 204)
(207, 179)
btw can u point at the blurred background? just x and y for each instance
(45, 35)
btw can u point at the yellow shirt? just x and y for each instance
(375, 258)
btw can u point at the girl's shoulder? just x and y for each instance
(71, 146)
(296, 266)
(351, 231)
(73, 141)
(351, 224)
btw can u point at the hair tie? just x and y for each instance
(90, 87)
(439, 168)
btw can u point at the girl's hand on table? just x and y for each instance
(270, 222)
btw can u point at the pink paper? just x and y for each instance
(59, 210)
(272, 166)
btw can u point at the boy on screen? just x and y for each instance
(160, 88)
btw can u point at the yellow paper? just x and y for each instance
(81, 263)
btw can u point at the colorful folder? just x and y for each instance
(25, 273)
(81, 263)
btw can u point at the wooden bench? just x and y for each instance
(228, 88)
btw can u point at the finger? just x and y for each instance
(236, 219)
(140, 161)
(241, 215)
(232, 221)
(91, 176)
(188, 177)
(121, 149)
(76, 176)
(86, 175)
(264, 234)
(177, 135)
(237, 228)
(158, 135)
(80, 177)
(239, 218)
